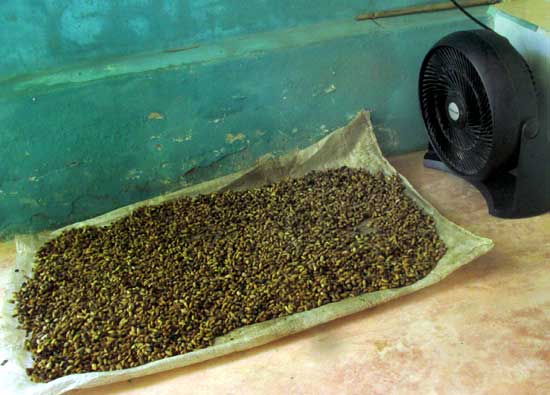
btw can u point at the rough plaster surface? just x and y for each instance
(48, 34)
(75, 149)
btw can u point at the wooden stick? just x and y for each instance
(422, 8)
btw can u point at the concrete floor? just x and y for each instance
(483, 330)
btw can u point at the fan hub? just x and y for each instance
(454, 111)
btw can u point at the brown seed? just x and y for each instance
(171, 278)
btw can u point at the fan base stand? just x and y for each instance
(502, 191)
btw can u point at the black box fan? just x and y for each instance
(480, 107)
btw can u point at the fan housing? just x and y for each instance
(480, 107)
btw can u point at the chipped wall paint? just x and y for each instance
(80, 147)
(231, 138)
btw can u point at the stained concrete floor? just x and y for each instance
(483, 330)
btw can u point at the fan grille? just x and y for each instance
(464, 141)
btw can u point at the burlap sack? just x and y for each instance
(353, 146)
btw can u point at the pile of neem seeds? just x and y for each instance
(171, 278)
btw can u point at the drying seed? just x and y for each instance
(171, 278)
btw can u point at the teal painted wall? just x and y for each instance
(84, 139)
(54, 33)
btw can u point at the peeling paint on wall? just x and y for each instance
(182, 139)
(155, 115)
(231, 138)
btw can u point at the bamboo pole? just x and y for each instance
(422, 9)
